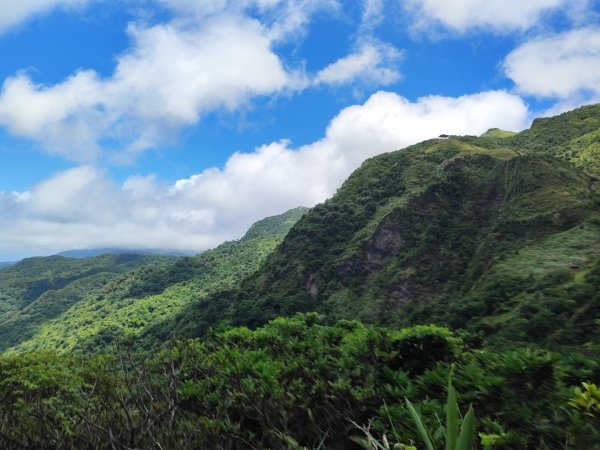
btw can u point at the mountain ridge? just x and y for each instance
(420, 235)
(428, 233)
(153, 295)
(91, 252)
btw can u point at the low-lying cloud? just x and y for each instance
(83, 208)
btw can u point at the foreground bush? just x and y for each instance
(294, 383)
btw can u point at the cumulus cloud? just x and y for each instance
(212, 56)
(170, 77)
(82, 207)
(564, 66)
(372, 63)
(497, 15)
(13, 13)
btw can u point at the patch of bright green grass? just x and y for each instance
(498, 133)
(572, 250)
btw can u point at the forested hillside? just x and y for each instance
(36, 290)
(294, 384)
(153, 296)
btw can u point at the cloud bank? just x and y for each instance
(82, 207)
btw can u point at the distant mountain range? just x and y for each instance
(91, 252)
(113, 295)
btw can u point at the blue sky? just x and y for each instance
(175, 124)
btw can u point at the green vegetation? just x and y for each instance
(318, 324)
(153, 296)
(574, 136)
(36, 290)
(455, 439)
(294, 383)
(497, 133)
(587, 399)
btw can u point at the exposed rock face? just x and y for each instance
(383, 246)
(311, 286)
(402, 293)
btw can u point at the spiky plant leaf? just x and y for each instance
(451, 418)
(467, 431)
(419, 423)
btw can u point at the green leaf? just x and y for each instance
(467, 431)
(451, 418)
(419, 423)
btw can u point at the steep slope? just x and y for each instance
(151, 297)
(38, 289)
(573, 136)
(498, 235)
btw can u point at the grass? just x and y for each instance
(497, 133)
(572, 249)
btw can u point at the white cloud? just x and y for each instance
(372, 63)
(212, 56)
(494, 15)
(66, 118)
(170, 78)
(15, 12)
(564, 66)
(82, 208)
(70, 195)
(284, 19)
(373, 13)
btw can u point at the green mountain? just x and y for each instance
(152, 296)
(36, 290)
(573, 136)
(499, 235)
